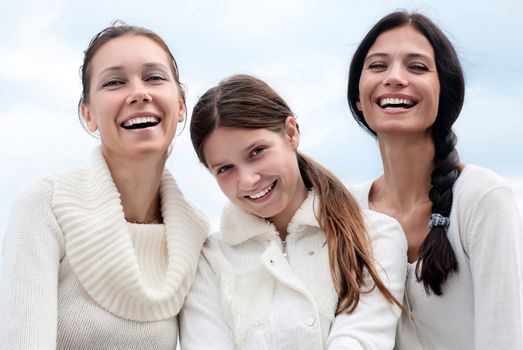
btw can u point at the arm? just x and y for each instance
(494, 241)
(31, 257)
(372, 325)
(202, 324)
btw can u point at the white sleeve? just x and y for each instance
(31, 258)
(202, 324)
(494, 240)
(372, 325)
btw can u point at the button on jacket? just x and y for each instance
(253, 292)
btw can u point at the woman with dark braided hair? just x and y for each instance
(296, 264)
(464, 279)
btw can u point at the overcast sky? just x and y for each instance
(301, 48)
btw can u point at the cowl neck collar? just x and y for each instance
(88, 208)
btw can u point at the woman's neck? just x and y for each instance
(138, 182)
(407, 169)
(281, 220)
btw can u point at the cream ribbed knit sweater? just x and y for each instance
(77, 276)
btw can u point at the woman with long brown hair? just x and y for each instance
(296, 264)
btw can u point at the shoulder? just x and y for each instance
(47, 187)
(478, 187)
(32, 210)
(382, 227)
(484, 208)
(36, 193)
(360, 192)
(476, 181)
(381, 222)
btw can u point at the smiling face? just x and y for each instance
(399, 86)
(134, 102)
(257, 169)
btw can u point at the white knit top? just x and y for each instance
(482, 303)
(76, 275)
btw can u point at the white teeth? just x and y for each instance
(261, 193)
(395, 101)
(140, 120)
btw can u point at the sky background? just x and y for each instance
(301, 48)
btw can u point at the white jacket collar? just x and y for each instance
(238, 226)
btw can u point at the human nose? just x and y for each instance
(247, 178)
(395, 76)
(138, 93)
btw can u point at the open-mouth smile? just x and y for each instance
(390, 103)
(140, 122)
(262, 193)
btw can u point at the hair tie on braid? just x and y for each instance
(438, 220)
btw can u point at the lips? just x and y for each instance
(140, 122)
(261, 193)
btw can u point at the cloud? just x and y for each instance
(301, 48)
(489, 128)
(40, 68)
(37, 141)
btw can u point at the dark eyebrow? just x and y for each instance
(410, 55)
(376, 55)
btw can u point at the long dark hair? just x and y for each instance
(436, 257)
(243, 101)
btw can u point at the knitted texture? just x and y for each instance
(77, 275)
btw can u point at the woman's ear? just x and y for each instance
(88, 118)
(181, 110)
(292, 132)
(358, 104)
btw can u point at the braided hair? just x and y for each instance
(436, 257)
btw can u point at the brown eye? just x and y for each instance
(223, 169)
(418, 67)
(377, 65)
(156, 78)
(112, 83)
(257, 151)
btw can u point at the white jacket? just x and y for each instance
(248, 294)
